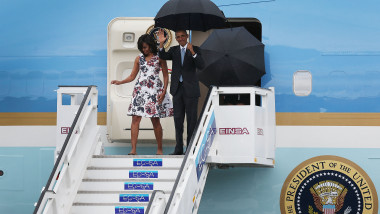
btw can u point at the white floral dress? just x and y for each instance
(145, 94)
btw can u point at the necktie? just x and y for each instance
(183, 51)
(182, 54)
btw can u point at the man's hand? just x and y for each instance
(161, 36)
(190, 48)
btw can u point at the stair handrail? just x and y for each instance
(155, 206)
(88, 104)
(197, 134)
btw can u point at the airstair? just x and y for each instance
(125, 184)
(86, 181)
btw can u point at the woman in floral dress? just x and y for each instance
(149, 97)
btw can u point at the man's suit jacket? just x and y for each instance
(188, 69)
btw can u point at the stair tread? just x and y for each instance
(128, 180)
(132, 168)
(138, 156)
(112, 204)
(121, 192)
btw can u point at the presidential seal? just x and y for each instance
(153, 31)
(328, 185)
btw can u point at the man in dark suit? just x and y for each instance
(184, 84)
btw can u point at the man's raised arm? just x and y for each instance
(162, 53)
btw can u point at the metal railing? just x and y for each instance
(58, 194)
(157, 202)
(188, 188)
(188, 166)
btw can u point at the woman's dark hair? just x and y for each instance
(146, 38)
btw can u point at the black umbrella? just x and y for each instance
(199, 15)
(232, 56)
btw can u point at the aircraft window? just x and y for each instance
(129, 40)
(128, 37)
(234, 99)
(302, 83)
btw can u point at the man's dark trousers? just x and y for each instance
(185, 94)
(184, 105)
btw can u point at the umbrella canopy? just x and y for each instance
(232, 56)
(199, 15)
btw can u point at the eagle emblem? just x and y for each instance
(328, 196)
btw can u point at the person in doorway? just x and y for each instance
(184, 83)
(149, 97)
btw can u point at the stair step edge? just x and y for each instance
(128, 180)
(132, 168)
(112, 204)
(120, 192)
(139, 156)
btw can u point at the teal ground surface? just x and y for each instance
(233, 190)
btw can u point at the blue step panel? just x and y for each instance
(143, 174)
(134, 198)
(147, 162)
(138, 186)
(129, 210)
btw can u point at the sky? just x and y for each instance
(46, 43)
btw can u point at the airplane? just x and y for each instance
(322, 58)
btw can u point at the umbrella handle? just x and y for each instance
(190, 35)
